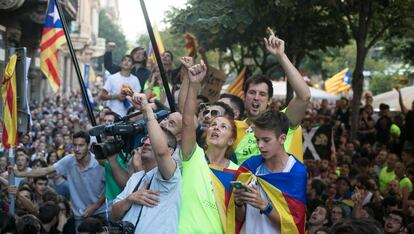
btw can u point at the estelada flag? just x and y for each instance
(53, 37)
(190, 44)
(339, 82)
(9, 95)
(220, 178)
(285, 190)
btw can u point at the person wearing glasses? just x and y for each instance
(395, 222)
(202, 207)
(208, 112)
(151, 198)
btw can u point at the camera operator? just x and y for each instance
(152, 197)
(115, 166)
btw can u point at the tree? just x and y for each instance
(369, 21)
(238, 26)
(112, 33)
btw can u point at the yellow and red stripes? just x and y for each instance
(9, 95)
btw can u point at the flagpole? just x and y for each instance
(77, 69)
(12, 198)
(158, 57)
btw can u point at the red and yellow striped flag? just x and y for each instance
(53, 37)
(236, 88)
(341, 81)
(9, 95)
(160, 45)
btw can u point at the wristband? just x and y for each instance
(267, 210)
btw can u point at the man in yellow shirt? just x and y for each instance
(258, 93)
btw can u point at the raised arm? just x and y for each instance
(404, 109)
(159, 141)
(188, 138)
(297, 106)
(187, 63)
(109, 66)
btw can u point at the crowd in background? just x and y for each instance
(369, 178)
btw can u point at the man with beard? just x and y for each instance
(139, 59)
(86, 178)
(258, 94)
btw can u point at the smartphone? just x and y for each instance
(237, 185)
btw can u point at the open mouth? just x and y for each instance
(255, 105)
(215, 135)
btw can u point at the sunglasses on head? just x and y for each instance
(203, 105)
(214, 113)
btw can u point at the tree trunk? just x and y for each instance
(357, 88)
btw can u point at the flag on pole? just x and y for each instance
(53, 37)
(339, 82)
(191, 44)
(236, 88)
(9, 95)
(160, 45)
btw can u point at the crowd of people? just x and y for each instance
(230, 165)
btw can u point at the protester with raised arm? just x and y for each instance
(258, 93)
(203, 209)
(151, 198)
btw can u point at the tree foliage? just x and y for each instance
(369, 22)
(112, 33)
(238, 26)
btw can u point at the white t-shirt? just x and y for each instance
(113, 85)
(162, 218)
(259, 223)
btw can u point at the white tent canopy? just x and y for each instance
(391, 98)
(279, 91)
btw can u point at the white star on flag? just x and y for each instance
(55, 15)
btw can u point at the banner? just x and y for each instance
(317, 142)
(212, 83)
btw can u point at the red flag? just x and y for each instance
(52, 39)
(9, 95)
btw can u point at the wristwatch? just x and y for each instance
(267, 210)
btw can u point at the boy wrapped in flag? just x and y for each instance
(272, 198)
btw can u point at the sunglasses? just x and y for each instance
(214, 113)
(203, 105)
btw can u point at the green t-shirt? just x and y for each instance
(156, 90)
(112, 189)
(406, 182)
(246, 146)
(199, 212)
(385, 178)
